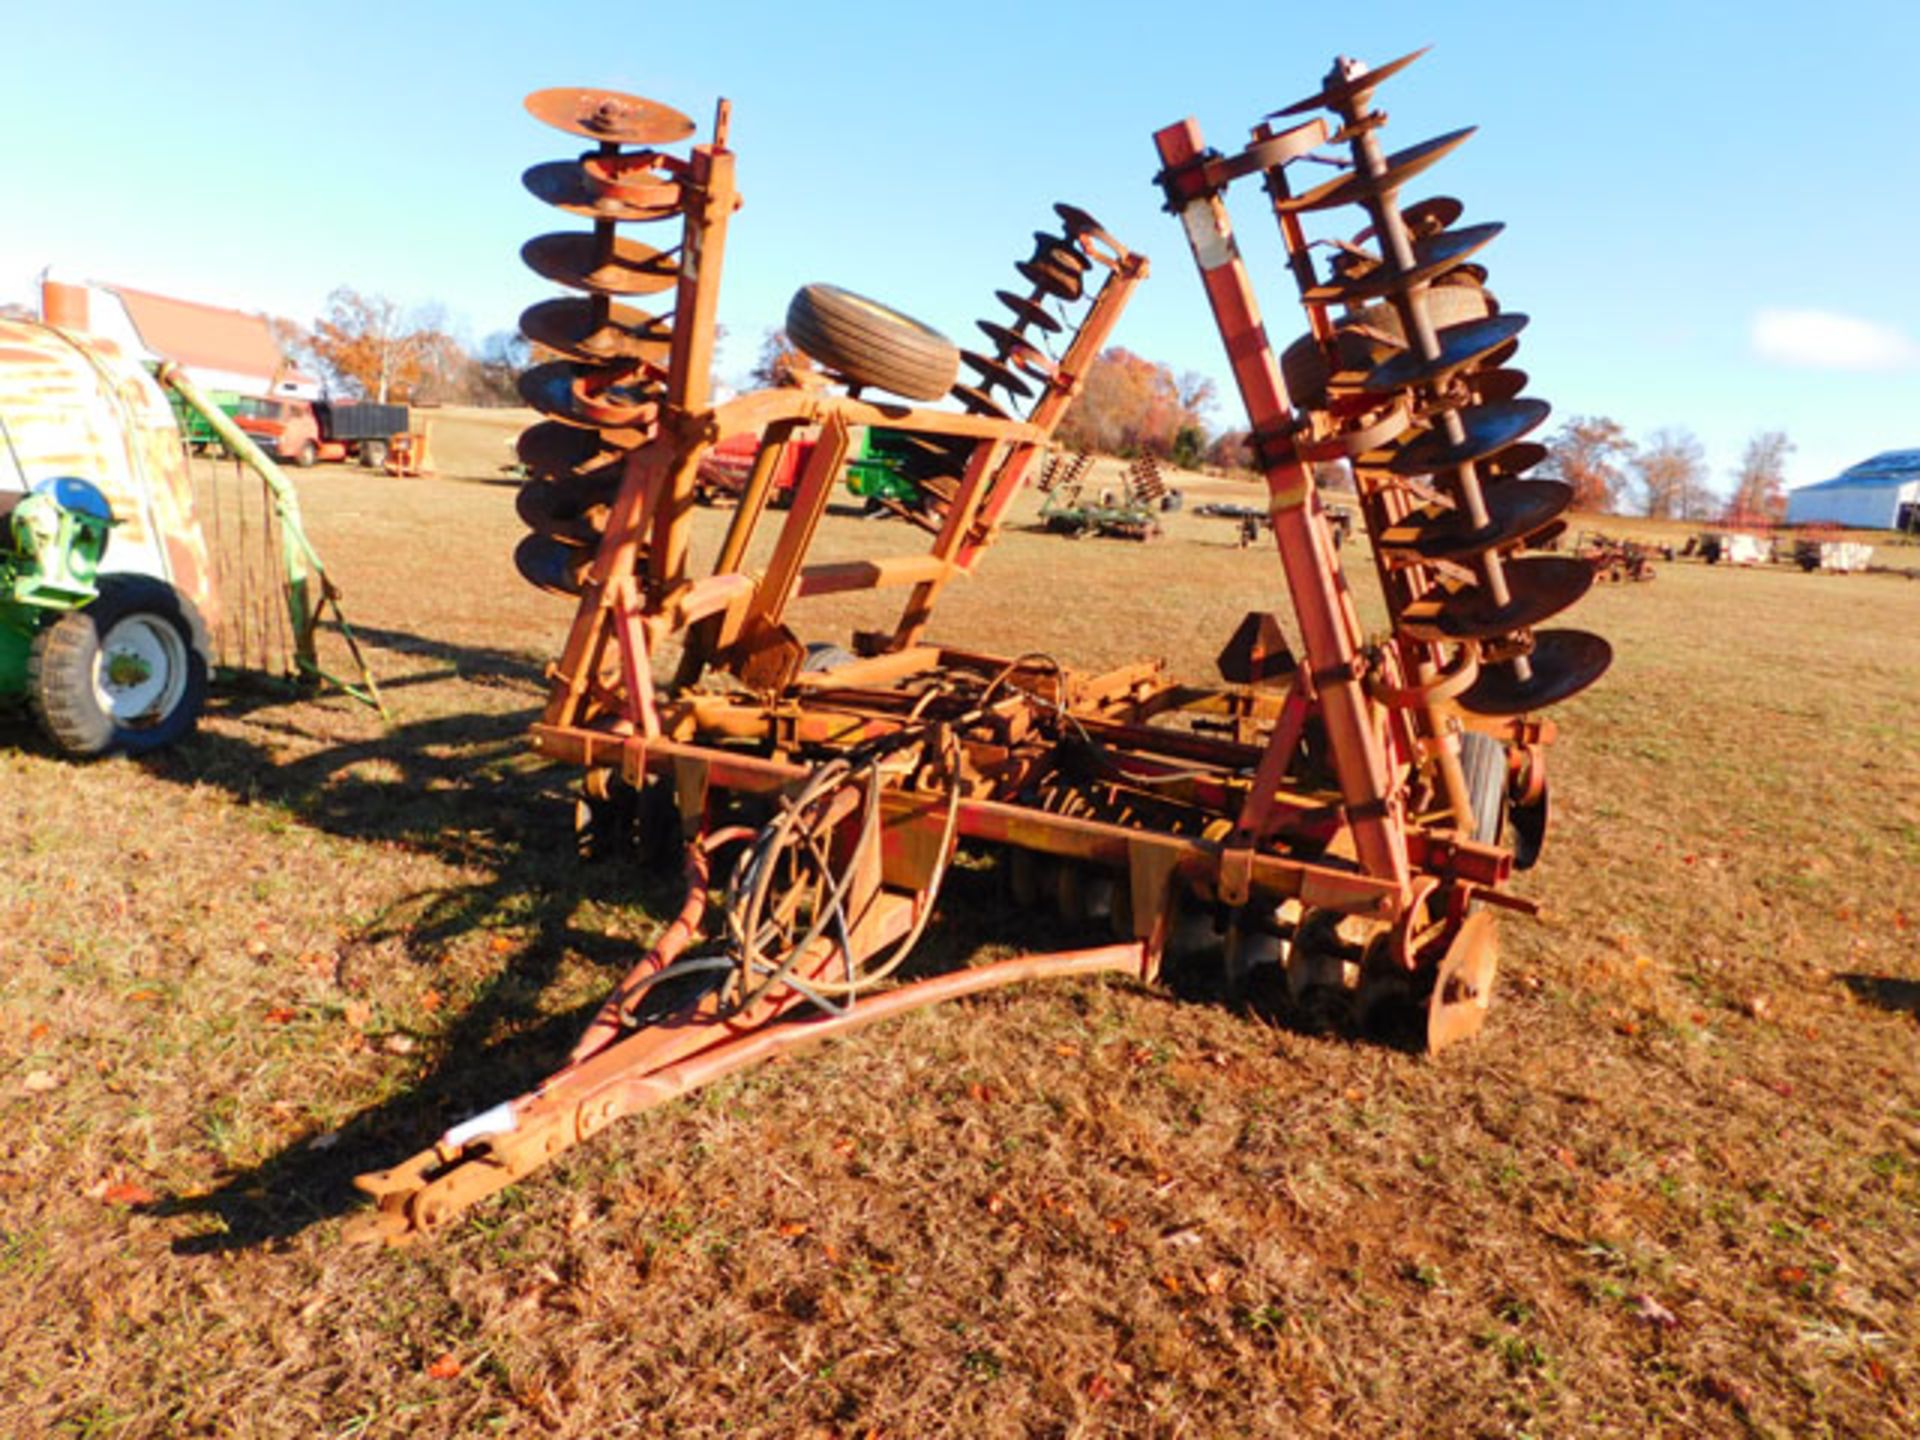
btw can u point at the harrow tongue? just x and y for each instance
(1349, 804)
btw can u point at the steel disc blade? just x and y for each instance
(997, 372)
(586, 396)
(548, 565)
(1490, 428)
(980, 403)
(608, 116)
(1432, 257)
(1402, 166)
(1515, 510)
(1338, 92)
(1424, 219)
(1017, 349)
(552, 449)
(1514, 460)
(570, 327)
(1538, 587)
(1563, 663)
(1079, 223)
(1489, 387)
(1028, 312)
(564, 185)
(1460, 346)
(1058, 281)
(1057, 250)
(545, 511)
(577, 261)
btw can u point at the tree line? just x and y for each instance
(1665, 477)
(368, 347)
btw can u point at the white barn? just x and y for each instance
(1878, 494)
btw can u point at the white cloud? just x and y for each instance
(1824, 340)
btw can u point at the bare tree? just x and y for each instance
(1672, 471)
(779, 362)
(1760, 484)
(1588, 453)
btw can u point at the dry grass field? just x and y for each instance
(1673, 1189)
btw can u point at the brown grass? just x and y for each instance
(1674, 1188)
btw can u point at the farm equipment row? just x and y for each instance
(1353, 807)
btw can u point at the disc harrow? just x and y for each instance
(1349, 805)
(617, 362)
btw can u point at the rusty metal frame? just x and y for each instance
(1324, 784)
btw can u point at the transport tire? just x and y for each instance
(373, 454)
(126, 675)
(871, 344)
(308, 454)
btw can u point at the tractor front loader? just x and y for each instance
(1350, 804)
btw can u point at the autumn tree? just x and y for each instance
(369, 346)
(1588, 453)
(778, 363)
(1672, 471)
(1231, 450)
(1760, 484)
(1131, 405)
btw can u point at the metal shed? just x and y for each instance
(1878, 494)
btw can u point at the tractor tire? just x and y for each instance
(125, 675)
(870, 344)
(373, 454)
(308, 454)
(1484, 759)
(1304, 366)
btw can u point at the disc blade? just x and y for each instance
(1338, 91)
(979, 402)
(1489, 387)
(1058, 281)
(608, 116)
(1028, 312)
(997, 372)
(1432, 257)
(1563, 663)
(1515, 510)
(1401, 167)
(1489, 429)
(1460, 346)
(577, 261)
(546, 564)
(1423, 218)
(563, 184)
(1512, 461)
(551, 449)
(544, 510)
(586, 396)
(570, 327)
(1538, 587)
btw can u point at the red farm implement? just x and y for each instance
(1353, 806)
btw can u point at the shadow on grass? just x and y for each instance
(1886, 992)
(460, 788)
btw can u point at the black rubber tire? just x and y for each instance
(1304, 367)
(823, 656)
(871, 344)
(65, 674)
(373, 454)
(308, 454)
(1484, 759)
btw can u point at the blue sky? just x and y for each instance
(1711, 206)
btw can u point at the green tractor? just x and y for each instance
(106, 662)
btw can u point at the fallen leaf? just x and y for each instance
(1758, 1005)
(1654, 1313)
(980, 1094)
(280, 1014)
(1214, 1282)
(793, 1229)
(39, 1031)
(430, 1001)
(257, 949)
(1066, 1050)
(500, 944)
(445, 1368)
(127, 1192)
(357, 1013)
(143, 997)
(844, 1146)
(1791, 1274)
(38, 1082)
(1172, 1283)
(1099, 1388)
(1116, 1225)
